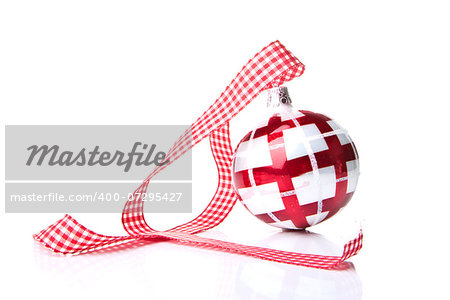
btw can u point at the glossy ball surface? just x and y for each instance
(295, 170)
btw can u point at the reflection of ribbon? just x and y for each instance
(272, 66)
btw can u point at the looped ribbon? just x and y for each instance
(270, 67)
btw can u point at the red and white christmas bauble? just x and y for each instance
(296, 169)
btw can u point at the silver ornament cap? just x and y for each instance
(278, 96)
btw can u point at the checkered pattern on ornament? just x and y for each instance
(270, 67)
(319, 158)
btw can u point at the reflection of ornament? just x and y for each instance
(297, 168)
(280, 281)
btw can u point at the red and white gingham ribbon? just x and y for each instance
(272, 66)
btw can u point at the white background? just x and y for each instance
(380, 68)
